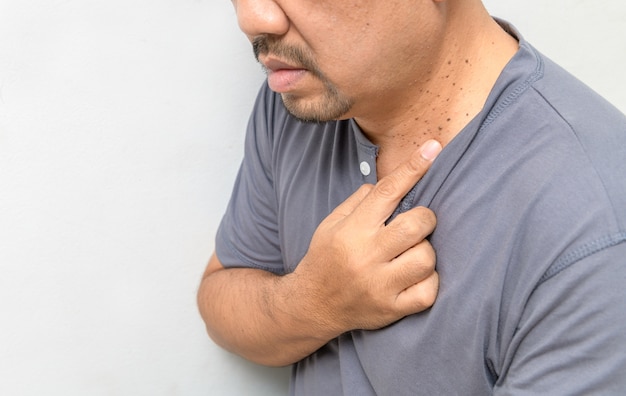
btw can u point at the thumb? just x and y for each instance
(345, 208)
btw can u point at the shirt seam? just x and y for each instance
(512, 97)
(583, 149)
(581, 252)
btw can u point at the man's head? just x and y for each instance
(333, 59)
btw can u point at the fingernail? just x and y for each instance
(431, 149)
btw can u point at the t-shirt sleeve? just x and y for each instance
(248, 233)
(571, 339)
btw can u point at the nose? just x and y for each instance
(261, 17)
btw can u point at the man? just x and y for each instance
(325, 258)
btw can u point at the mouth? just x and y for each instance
(274, 65)
(282, 77)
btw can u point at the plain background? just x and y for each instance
(121, 128)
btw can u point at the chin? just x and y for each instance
(329, 108)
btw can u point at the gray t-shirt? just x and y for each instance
(530, 199)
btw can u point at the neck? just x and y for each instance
(442, 101)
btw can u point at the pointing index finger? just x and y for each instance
(385, 196)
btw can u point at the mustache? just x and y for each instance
(264, 45)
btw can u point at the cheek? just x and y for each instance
(356, 67)
(351, 45)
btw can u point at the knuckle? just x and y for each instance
(426, 215)
(405, 226)
(428, 256)
(420, 269)
(364, 189)
(417, 165)
(386, 188)
(427, 295)
(362, 192)
(416, 265)
(431, 289)
(414, 223)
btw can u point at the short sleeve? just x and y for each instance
(571, 339)
(248, 233)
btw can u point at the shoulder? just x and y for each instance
(562, 132)
(594, 126)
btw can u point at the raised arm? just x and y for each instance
(359, 273)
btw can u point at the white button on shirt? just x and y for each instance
(365, 168)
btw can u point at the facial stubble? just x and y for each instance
(332, 105)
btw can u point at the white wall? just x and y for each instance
(121, 125)
(586, 37)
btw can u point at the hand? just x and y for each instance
(360, 273)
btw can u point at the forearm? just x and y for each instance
(263, 317)
(358, 273)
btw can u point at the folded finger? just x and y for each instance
(412, 266)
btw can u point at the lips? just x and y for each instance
(273, 65)
(282, 77)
